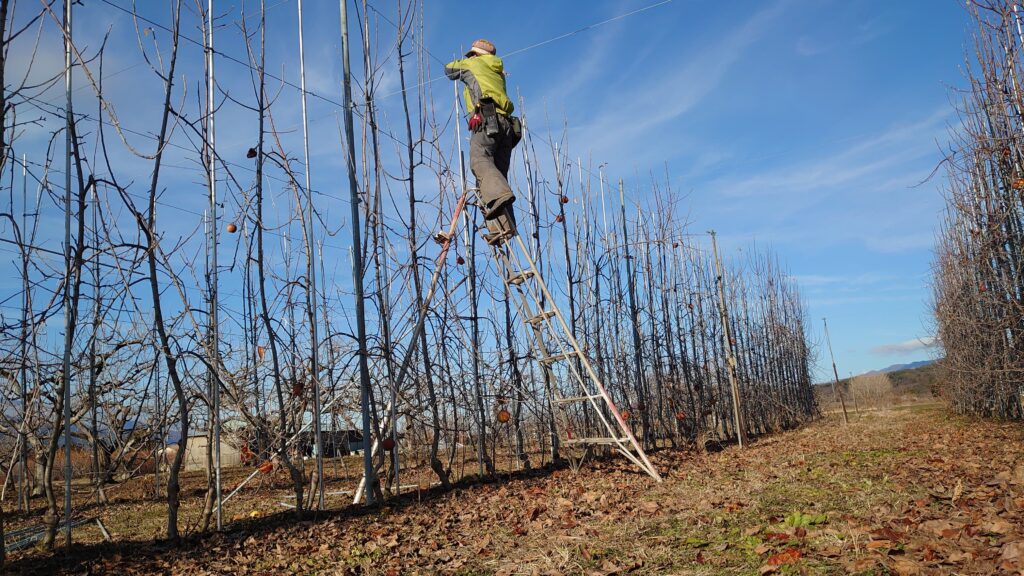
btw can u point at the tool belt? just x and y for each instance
(488, 112)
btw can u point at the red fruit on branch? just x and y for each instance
(565, 199)
(388, 444)
(460, 260)
(559, 218)
(504, 416)
(232, 228)
(251, 153)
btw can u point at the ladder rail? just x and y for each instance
(538, 327)
(580, 380)
(502, 258)
(648, 467)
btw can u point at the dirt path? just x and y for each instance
(908, 491)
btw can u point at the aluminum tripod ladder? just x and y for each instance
(584, 410)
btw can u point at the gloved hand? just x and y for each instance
(475, 121)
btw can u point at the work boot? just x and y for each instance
(501, 227)
(494, 208)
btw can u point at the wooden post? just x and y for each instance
(835, 386)
(737, 403)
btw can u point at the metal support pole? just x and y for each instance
(68, 322)
(27, 301)
(314, 360)
(634, 315)
(94, 429)
(214, 321)
(835, 385)
(357, 261)
(737, 403)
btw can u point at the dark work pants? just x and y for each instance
(489, 158)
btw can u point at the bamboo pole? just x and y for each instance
(311, 303)
(214, 337)
(68, 321)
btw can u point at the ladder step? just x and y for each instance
(578, 398)
(498, 238)
(558, 357)
(595, 441)
(517, 279)
(543, 316)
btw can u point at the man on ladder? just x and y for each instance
(495, 132)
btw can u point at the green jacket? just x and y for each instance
(484, 77)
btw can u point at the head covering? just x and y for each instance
(482, 47)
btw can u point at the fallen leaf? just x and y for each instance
(1013, 551)
(906, 567)
(649, 507)
(938, 527)
(787, 556)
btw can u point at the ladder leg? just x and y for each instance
(514, 261)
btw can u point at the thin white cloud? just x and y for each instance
(905, 348)
(633, 112)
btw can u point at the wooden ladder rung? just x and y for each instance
(595, 441)
(519, 278)
(542, 317)
(578, 398)
(558, 357)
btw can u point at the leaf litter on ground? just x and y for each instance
(904, 491)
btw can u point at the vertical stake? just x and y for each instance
(314, 360)
(634, 314)
(835, 385)
(22, 436)
(214, 337)
(68, 326)
(357, 260)
(94, 429)
(737, 404)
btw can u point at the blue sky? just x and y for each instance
(804, 126)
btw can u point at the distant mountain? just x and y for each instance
(920, 379)
(911, 367)
(898, 367)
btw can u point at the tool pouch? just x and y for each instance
(517, 128)
(490, 114)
